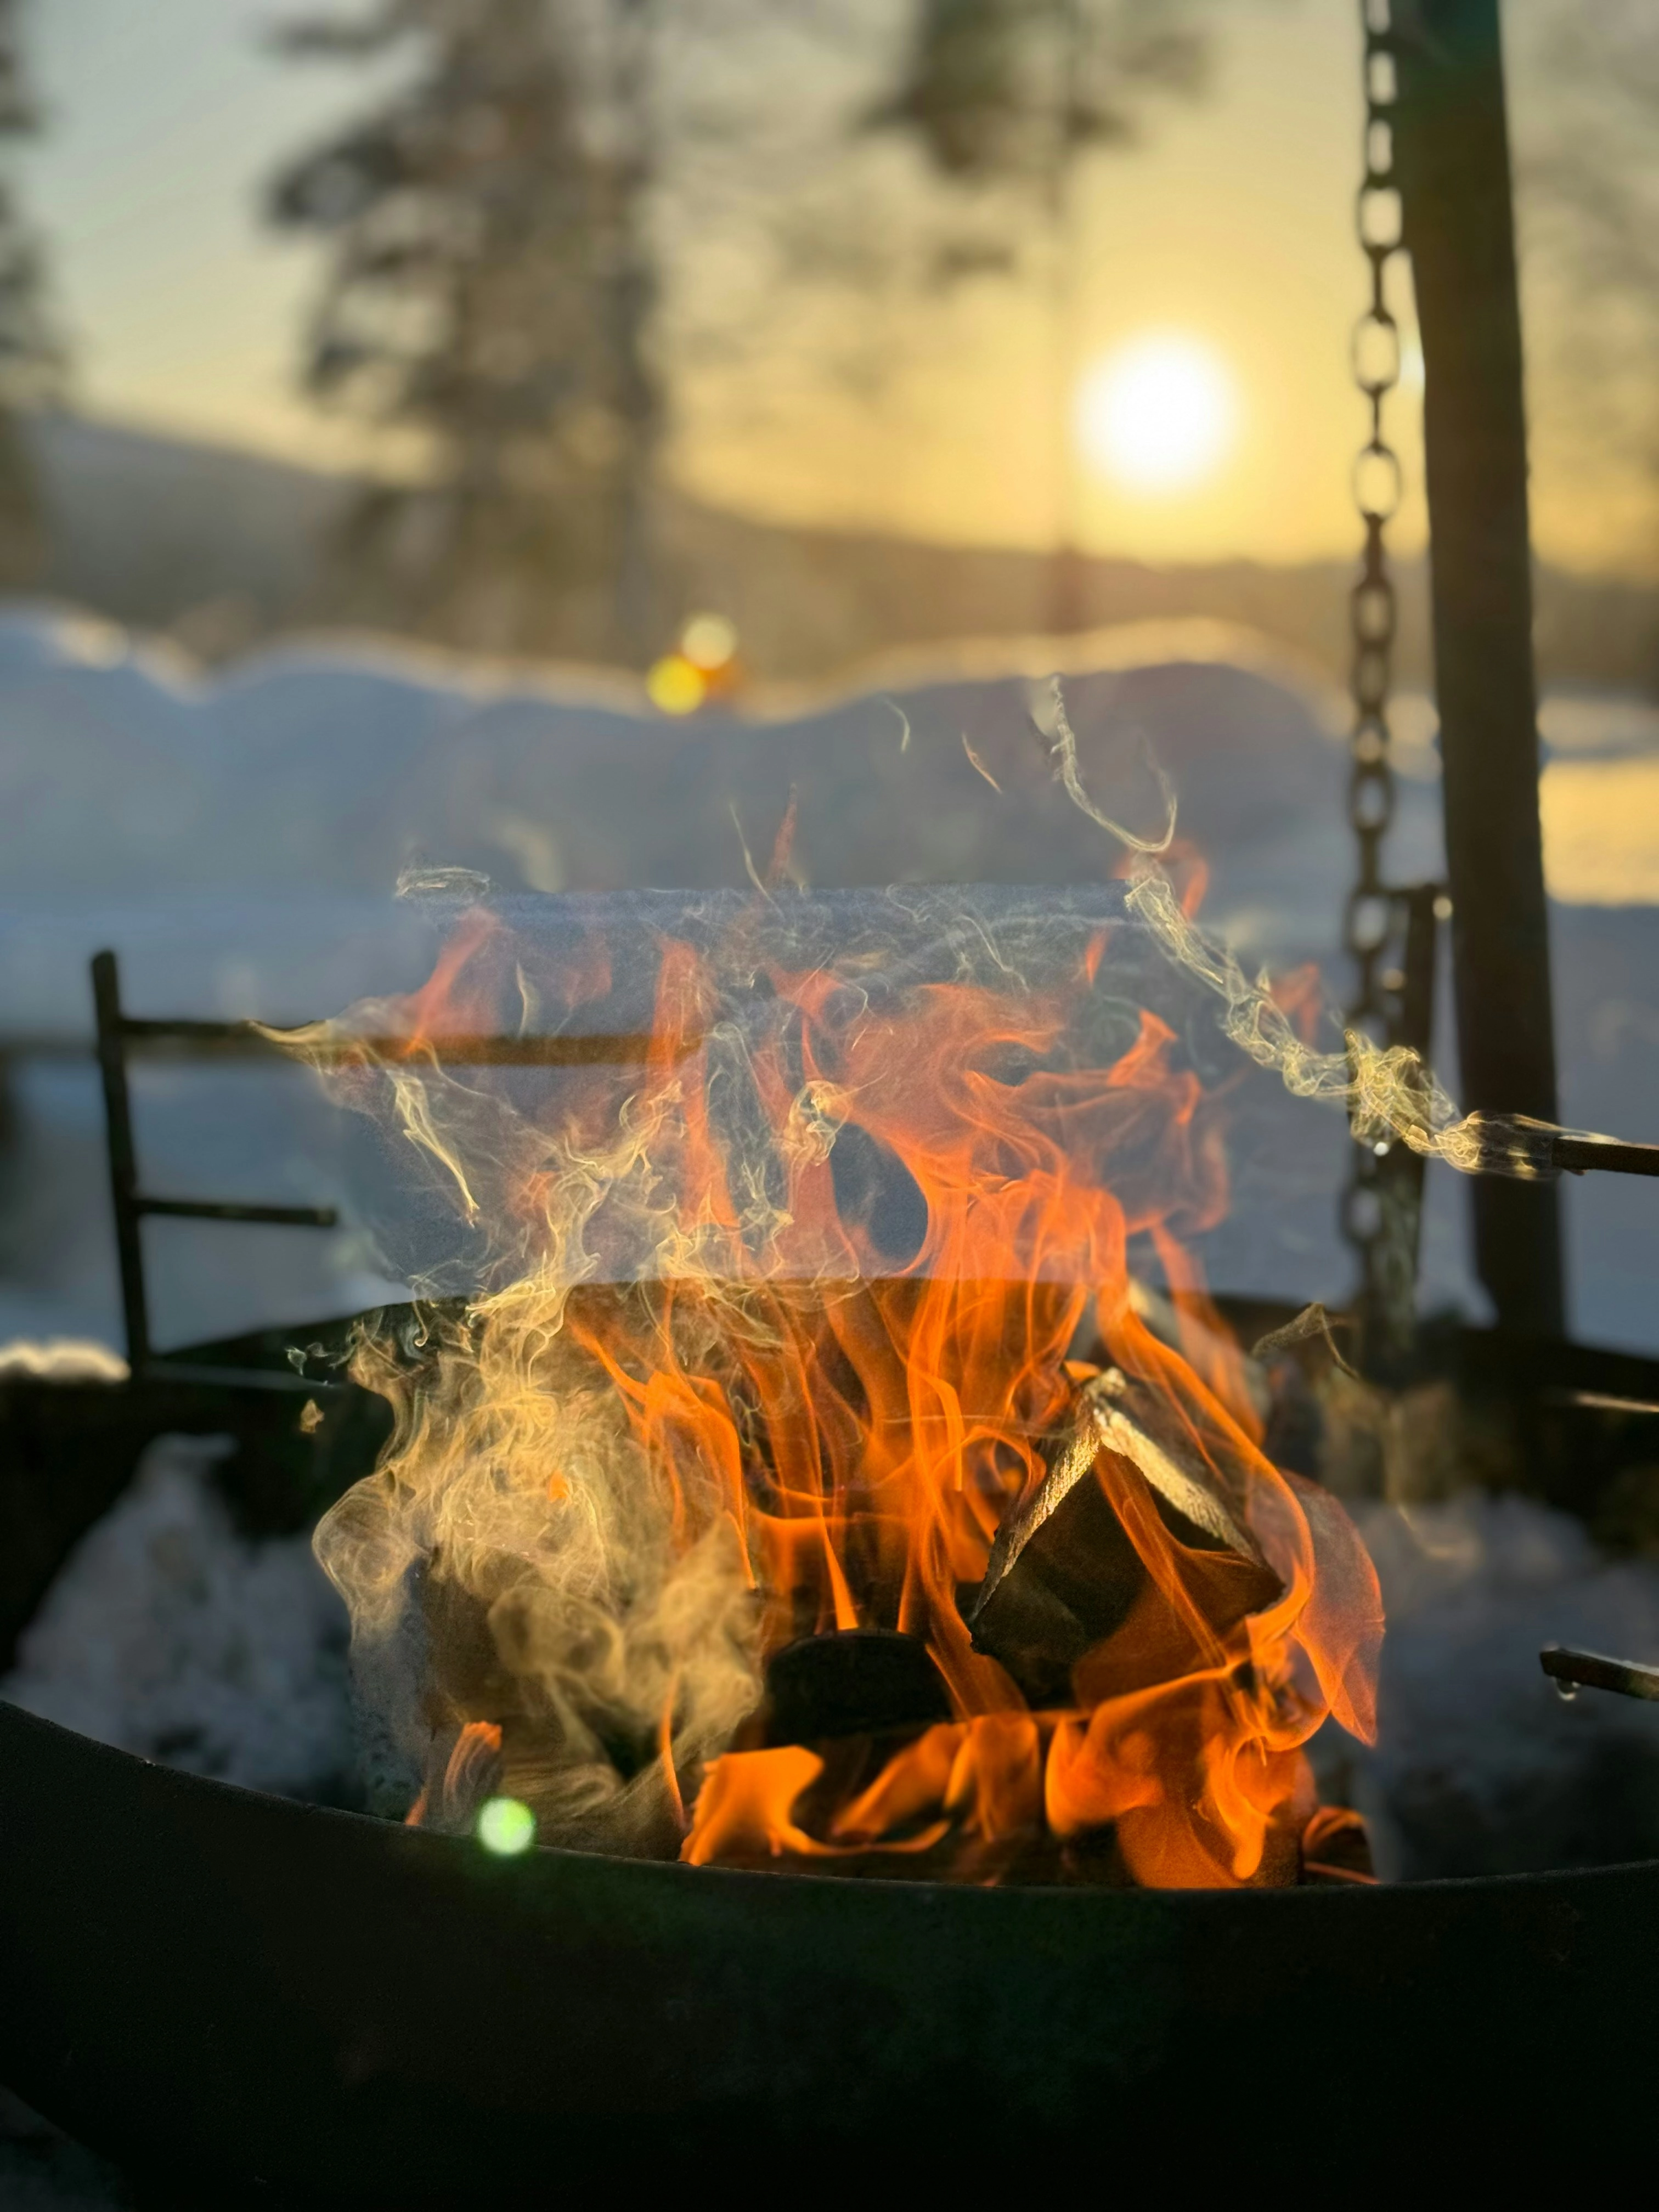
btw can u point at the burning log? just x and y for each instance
(1336, 1849)
(854, 1681)
(840, 1709)
(1065, 1575)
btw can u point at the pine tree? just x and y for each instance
(1589, 172)
(1017, 94)
(31, 356)
(491, 234)
(490, 288)
(1001, 90)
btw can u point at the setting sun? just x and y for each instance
(1157, 415)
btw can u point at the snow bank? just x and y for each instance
(236, 839)
(169, 1634)
(1480, 1766)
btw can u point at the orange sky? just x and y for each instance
(1231, 225)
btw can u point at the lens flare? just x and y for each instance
(1158, 416)
(506, 1826)
(708, 643)
(674, 686)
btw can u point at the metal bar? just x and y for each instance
(209, 1038)
(196, 1372)
(1591, 1670)
(147, 1029)
(1451, 154)
(1389, 1320)
(213, 1209)
(1575, 1155)
(235, 1040)
(1415, 1024)
(494, 1051)
(123, 1160)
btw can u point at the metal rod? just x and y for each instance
(283, 1380)
(130, 1205)
(1389, 1320)
(1452, 158)
(235, 1040)
(462, 1051)
(122, 1161)
(213, 1209)
(496, 1051)
(1591, 1670)
(147, 1030)
(1574, 1155)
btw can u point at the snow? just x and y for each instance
(1480, 1768)
(60, 1359)
(169, 1634)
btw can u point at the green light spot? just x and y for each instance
(506, 1826)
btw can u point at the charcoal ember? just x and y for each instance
(851, 1682)
(856, 1698)
(1064, 1577)
(1336, 1848)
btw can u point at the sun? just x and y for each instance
(1159, 414)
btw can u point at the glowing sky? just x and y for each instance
(1156, 416)
(1230, 229)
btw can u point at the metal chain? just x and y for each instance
(1374, 913)
(1376, 483)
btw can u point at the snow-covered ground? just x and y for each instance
(237, 841)
(170, 1634)
(1480, 1766)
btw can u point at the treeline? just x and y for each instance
(552, 223)
(564, 211)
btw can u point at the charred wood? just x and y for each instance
(1065, 1575)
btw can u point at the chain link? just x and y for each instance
(1372, 611)
(1379, 1206)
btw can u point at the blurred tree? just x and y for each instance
(31, 354)
(490, 288)
(1019, 93)
(1590, 208)
(498, 226)
(1020, 88)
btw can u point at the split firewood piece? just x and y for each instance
(1064, 1575)
(851, 1681)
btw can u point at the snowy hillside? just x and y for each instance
(237, 841)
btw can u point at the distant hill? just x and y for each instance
(225, 548)
(159, 532)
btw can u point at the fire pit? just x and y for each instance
(320, 2008)
(788, 1479)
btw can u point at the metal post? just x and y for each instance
(122, 1159)
(1451, 154)
(1387, 1317)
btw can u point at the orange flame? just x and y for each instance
(832, 1416)
(467, 1774)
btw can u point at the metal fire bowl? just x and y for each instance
(246, 1997)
